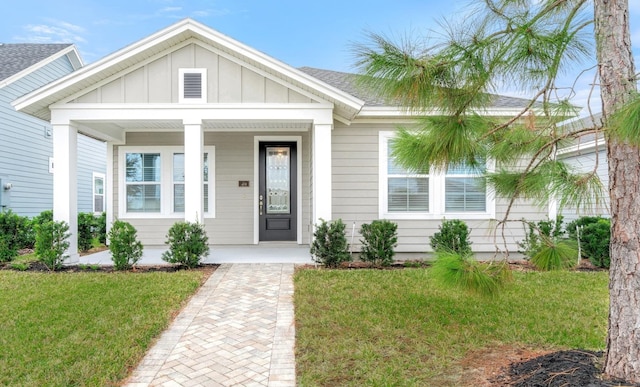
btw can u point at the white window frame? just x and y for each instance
(166, 181)
(203, 73)
(97, 175)
(436, 192)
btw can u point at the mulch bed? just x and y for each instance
(37, 266)
(563, 368)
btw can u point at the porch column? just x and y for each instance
(193, 171)
(108, 189)
(65, 183)
(321, 172)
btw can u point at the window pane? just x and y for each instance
(465, 194)
(143, 167)
(178, 167)
(98, 203)
(277, 180)
(464, 169)
(143, 198)
(206, 167)
(98, 186)
(408, 194)
(206, 197)
(178, 198)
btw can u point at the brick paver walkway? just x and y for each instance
(237, 330)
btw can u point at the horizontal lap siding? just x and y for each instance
(24, 148)
(92, 156)
(234, 161)
(586, 163)
(356, 198)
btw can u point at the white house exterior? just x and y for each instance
(200, 127)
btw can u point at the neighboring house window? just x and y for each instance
(460, 192)
(98, 192)
(153, 181)
(192, 85)
(178, 182)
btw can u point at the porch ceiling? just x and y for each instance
(177, 125)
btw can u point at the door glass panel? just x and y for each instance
(277, 181)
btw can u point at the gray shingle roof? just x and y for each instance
(17, 57)
(346, 82)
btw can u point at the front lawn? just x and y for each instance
(63, 329)
(399, 327)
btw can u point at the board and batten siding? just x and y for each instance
(355, 150)
(228, 81)
(26, 144)
(234, 205)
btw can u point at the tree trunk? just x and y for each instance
(617, 76)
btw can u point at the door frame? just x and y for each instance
(256, 178)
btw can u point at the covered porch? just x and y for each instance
(262, 253)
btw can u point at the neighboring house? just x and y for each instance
(587, 154)
(200, 127)
(26, 142)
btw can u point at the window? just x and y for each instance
(143, 182)
(178, 182)
(152, 181)
(406, 192)
(460, 192)
(192, 85)
(98, 192)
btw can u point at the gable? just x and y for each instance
(228, 80)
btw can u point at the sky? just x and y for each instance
(300, 33)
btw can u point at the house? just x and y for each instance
(202, 128)
(26, 142)
(586, 154)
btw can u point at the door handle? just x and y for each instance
(260, 204)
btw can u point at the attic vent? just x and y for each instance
(193, 85)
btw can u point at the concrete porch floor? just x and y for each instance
(261, 253)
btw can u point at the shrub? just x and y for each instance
(329, 246)
(453, 236)
(52, 243)
(16, 230)
(465, 272)
(8, 251)
(594, 241)
(86, 230)
(101, 228)
(541, 234)
(44, 216)
(188, 244)
(380, 238)
(125, 248)
(580, 222)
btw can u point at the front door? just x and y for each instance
(277, 196)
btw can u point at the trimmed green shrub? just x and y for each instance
(188, 244)
(52, 242)
(329, 246)
(465, 272)
(594, 241)
(125, 248)
(101, 228)
(580, 222)
(16, 231)
(44, 216)
(453, 236)
(7, 250)
(86, 230)
(380, 237)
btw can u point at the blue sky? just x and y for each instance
(299, 33)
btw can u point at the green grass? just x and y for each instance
(67, 329)
(401, 328)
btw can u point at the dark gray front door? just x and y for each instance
(277, 200)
